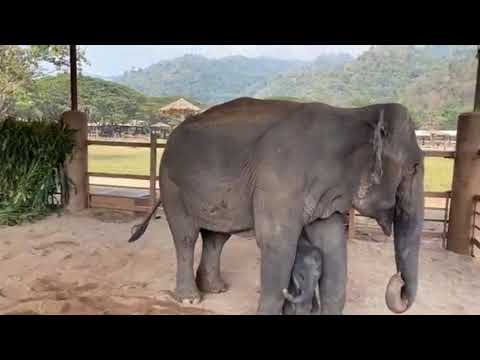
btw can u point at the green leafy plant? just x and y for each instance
(32, 157)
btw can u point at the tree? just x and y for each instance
(19, 66)
(56, 55)
(16, 71)
(103, 101)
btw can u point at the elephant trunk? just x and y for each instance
(303, 297)
(408, 223)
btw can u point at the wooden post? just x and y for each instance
(351, 224)
(153, 166)
(76, 168)
(73, 77)
(466, 183)
(476, 105)
(475, 202)
(445, 221)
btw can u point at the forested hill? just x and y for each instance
(436, 82)
(207, 80)
(102, 100)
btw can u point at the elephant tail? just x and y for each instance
(139, 229)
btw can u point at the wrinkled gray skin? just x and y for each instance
(276, 167)
(303, 295)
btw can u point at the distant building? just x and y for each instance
(162, 129)
(180, 108)
(175, 112)
(137, 123)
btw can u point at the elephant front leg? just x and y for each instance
(277, 261)
(329, 236)
(278, 236)
(208, 274)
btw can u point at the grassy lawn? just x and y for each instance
(438, 174)
(122, 160)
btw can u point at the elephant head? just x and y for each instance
(304, 297)
(391, 191)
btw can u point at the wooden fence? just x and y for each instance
(152, 178)
(475, 224)
(437, 139)
(153, 145)
(446, 195)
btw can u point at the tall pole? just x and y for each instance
(77, 167)
(476, 106)
(73, 77)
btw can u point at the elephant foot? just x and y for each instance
(288, 309)
(188, 296)
(330, 312)
(211, 284)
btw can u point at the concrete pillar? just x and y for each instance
(466, 183)
(77, 167)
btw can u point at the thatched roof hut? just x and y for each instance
(181, 106)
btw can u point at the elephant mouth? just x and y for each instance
(386, 228)
(385, 222)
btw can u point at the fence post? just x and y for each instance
(445, 220)
(466, 183)
(76, 167)
(474, 220)
(153, 167)
(351, 224)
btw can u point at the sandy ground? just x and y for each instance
(82, 264)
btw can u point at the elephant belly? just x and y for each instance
(226, 208)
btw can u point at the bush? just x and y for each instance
(32, 157)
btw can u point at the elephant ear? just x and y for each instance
(378, 139)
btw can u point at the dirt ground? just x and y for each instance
(82, 264)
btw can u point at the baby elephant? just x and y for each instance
(303, 296)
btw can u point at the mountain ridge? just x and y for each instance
(207, 80)
(435, 82)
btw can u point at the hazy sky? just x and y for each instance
(108, 60)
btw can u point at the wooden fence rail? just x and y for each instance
(427, 195)
(439, 153)
(153, 145)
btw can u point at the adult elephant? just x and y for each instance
(277, 167)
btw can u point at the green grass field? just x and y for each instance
(438, 174)
(121, 160)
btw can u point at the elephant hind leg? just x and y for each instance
(185, 236)
(208, 274)
(185, 233)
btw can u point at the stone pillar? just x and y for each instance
(77, 167)
(466, 183)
